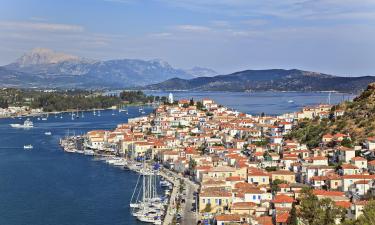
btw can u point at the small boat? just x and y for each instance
(28, 147)
(48, 133)
(290, 101)
(27, 124)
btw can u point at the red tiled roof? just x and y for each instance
(344, 204)
(229, 217)
(328, 193)
(283, 199)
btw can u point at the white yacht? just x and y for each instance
(27, 124)
(28, 147)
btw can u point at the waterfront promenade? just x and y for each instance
(188, 208)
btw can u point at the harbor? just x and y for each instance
(154, 196)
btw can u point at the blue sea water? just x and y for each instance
(271, 103)
(45, 186)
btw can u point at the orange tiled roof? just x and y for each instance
(283, 199)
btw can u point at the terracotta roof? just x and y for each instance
(243, 205)
(265, 220)
(328, 193)
(229, 217)
(283, 199)
(358, 158)
(282, 218)
(344, 204)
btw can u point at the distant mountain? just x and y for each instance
(201, 72)
(41, 67)
(267, 80)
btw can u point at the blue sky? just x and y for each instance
(331, 36)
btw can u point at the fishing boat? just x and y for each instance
(27, 124)
(28, 147)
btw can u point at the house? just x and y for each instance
(283, 201)
(370, 143)
(247, 208)
(257, 176)
(284, 175)
(228, 219)
(349, 169)
(349, 180)
(345, 154)
(333, 195)
(214, 201)
(359, 162)
(371, 166)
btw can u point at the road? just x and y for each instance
(189, 216)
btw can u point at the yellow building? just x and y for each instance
(214, 201)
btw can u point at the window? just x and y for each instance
(204, 200)
(254, 197)
(264, 179)
(251, 180)
(258, 197)
(209, 201)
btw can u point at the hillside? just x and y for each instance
(41, 67)
(358, 121)
(268, 80)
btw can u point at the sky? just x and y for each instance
(330, 36)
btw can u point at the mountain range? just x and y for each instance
(43, 67)
(267, 80)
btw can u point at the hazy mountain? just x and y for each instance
(268, 80)
(201, 72)
(44, 66)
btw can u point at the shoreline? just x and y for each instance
(73, 110)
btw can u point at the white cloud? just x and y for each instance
(192, 28)
(25, 25)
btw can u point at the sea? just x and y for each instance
(46, 186)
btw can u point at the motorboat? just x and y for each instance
(28, 147)
(27, 124)
(48, 133)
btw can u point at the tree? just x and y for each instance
(314, 211)
(208, 208)
(293, 220)
(346, 142)
(367, 217)
(192, 165)
(275, 184)
(191, 102)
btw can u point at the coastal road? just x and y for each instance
(189, 216)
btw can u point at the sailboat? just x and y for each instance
(83, 116)
(146, 205)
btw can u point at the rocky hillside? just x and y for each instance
(358, 121)
(268, 80)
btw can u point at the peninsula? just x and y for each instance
(235, 168)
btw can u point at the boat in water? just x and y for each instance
(48, 133)
(28, 147)
(27, 124)
(145, 203)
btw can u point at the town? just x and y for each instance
(243, 169)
